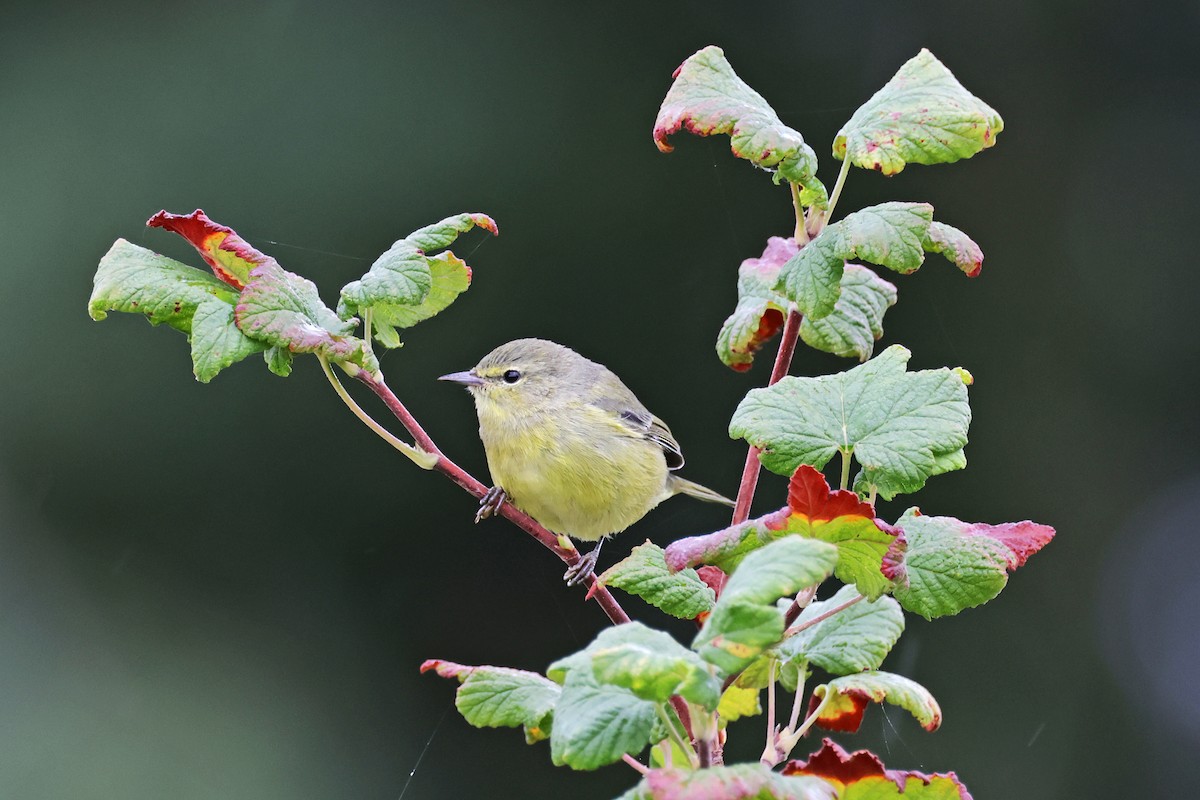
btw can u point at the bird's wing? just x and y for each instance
(634, 416)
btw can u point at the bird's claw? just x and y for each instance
(490, 503)
(579, 571)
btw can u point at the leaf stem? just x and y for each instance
(797, 703)
(801, 233)
(770, 749)
(823, 217)
(845, 469)
(422, 458)
(682, 743)
(783, 361)
(637, 765)
(808, 623)
(464, 479)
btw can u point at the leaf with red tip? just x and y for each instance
(942, 565)
(922, 116)
(955, 246)
(738, 782)
(843, 700)
(284, 310)
(707, 98)
(495, 697)
(139, 281)
(861, 776)
(230, 256)
(813, 511)
(406, 285)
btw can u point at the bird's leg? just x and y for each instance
(490, 503)
(585, 566)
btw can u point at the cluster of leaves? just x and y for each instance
(750, 587)
(251, 304)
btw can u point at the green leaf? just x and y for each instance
(216, 341)
(861, 776)
(745, 620)
(282, 309)
(652, 665)
(942, 565)
(495, 697)
(739, 701)
(889, 234)
(855, 639)
(781, 568)
(644, 573)
(596, 724)
(136, 280)
(738, 782)
(707, 98)
(922, 116)
(899, 425)
(405, 285)
(956, 246)
(849, 695)
(856, 321)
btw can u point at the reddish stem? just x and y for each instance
(510, 512)
(783, 361)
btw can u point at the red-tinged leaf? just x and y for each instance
(842, 712)
(810, 498)
(942, 565)
(229, 255)
(447, 669)
(284, 310)
(760, 310)
(1022, 538)
(842, 700)
(954, 245)
(813, 511)
(707, 97)
(861, 776)
(737, 782)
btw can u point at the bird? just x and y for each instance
(569, 444)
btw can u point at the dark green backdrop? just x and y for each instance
(225, 590)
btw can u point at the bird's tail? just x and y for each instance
(683, 486)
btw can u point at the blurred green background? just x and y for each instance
(225, 590)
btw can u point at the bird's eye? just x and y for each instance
(511, 376)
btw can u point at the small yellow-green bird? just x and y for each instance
(570, 445)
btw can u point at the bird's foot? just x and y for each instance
(490, 503)
(586, 565)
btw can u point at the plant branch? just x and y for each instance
(464, 479)
(783, 361)
(803, 598)
(422, 458)
(769, 750)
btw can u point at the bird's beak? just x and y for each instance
(467, 379)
